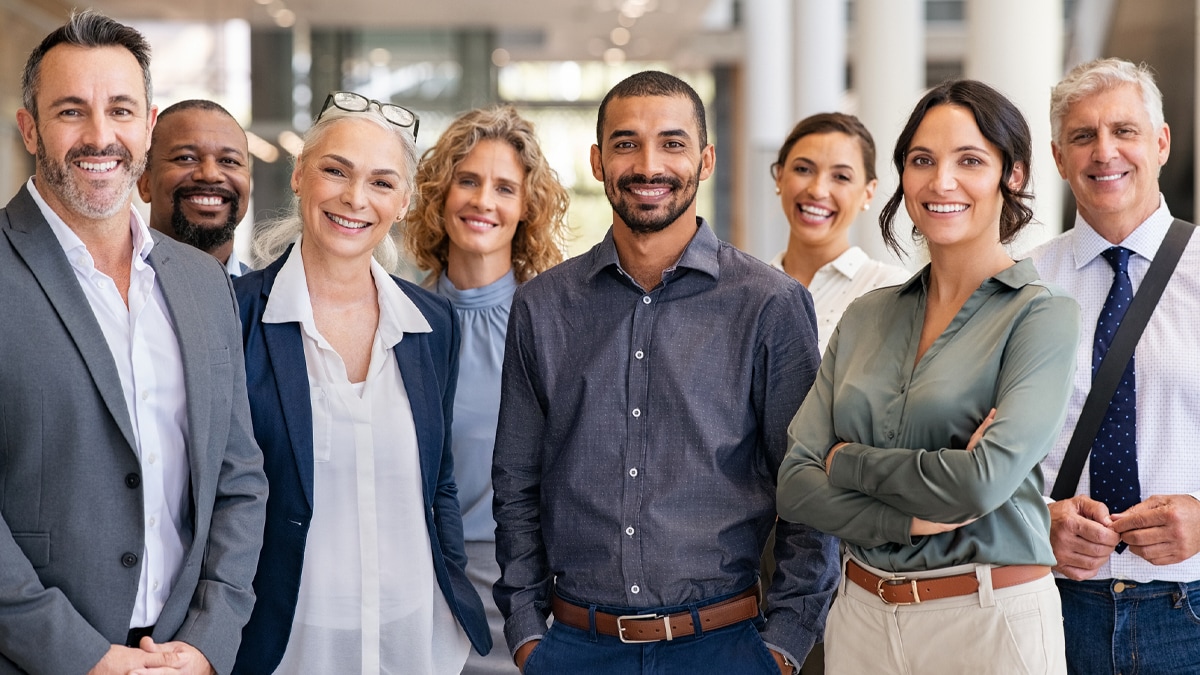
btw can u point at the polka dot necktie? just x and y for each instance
(1113, 467)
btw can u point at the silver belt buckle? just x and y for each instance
(632, 617)
(897, 581)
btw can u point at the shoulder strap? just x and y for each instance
(1112, 367)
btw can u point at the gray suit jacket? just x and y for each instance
(71, 523)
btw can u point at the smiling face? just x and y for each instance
(351, 189)
(951, 180)
(651, 161)
(1111, 154)
(198, 179)
(92, 131)
(483, 205)
(822, 188)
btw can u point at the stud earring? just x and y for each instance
(867, 207)
(777, 191)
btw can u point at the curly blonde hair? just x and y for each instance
(538, 243)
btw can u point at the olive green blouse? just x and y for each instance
(1012, 347)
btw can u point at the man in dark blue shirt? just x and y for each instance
(647, 389)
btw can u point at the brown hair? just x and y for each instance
(828, 123)
(537, 244)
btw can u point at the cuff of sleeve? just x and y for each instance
(846, 470)
(786, 654)
(524, 625)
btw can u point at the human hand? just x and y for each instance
(924, 528)
(1081, 536)
(121, 660)
(523, 653)
(784, 666)
(829, 457)
(181, 659)
(987, 422)
(1164, 529)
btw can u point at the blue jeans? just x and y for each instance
(1124, 627)
(733, 650)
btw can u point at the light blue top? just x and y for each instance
(483, 318)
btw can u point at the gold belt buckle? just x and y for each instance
(633, 617)
(897, 581)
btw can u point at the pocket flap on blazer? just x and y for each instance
(218, 355)
(35, 546)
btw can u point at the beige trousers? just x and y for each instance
(1010, 631)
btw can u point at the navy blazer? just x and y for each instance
(277, 380)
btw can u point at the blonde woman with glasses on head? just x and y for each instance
(352, 377)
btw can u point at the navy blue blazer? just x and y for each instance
(277, 381)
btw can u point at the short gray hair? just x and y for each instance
(272, 238)
(85, 29)
(1103, 75)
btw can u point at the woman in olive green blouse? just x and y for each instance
(920, 440)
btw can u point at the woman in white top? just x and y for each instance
(354, 373)
(825, 177)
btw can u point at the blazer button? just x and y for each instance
(129, 559)
(132, 481)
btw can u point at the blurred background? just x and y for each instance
(761, 65)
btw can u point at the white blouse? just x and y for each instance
(840, 281)
(369, 600)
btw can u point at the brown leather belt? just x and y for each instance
(901, 590)
(655, 627)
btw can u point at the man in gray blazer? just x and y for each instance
(132, 496)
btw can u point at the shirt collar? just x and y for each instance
(70, 242)
(850, 262)
(1145, 239)
(233, 266)
(1018, 275)
(290, 302)
(701, 253)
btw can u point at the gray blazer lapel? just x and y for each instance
(193, 349)
(34, 241)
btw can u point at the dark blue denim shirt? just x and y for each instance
(640, 436)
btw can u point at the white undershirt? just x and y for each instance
(369, 600)
(141, 337)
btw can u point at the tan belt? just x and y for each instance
(655, 627)
(901, 590)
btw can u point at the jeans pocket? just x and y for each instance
(1189, 604)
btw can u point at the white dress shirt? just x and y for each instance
(369, 600)
(1168, 369)
(141, 337)
(840, 281)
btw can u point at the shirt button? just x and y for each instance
(902, 389)
(153, 458)
(633, 472)
(155, 586)
(635, 589)
(638, 355)
(129, 559)
(152, 521)
(629, 531)
(637, 412)
(645, 299)
(132, 480)
(145, 394)
(890, 434)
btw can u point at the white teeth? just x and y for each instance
(649, 193)
(478, 223)
(1105, 179)
(201, 200)
(101, 166)
(352, 224)
(816, 211)
(946, 208)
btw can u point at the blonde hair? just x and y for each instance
(538, 242)
(273, 237)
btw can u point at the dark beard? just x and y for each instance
(641, 218)
(207, 239)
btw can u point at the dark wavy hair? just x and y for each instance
(1001, 123)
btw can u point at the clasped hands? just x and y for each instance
(150, 658)
(1163, 529)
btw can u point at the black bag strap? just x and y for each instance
(1112, 367)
